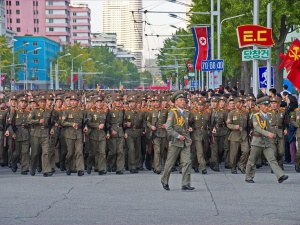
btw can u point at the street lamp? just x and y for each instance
(56, 71)
(80, 77)
(26, 67)
(72, 75)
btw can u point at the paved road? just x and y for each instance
(219, 198)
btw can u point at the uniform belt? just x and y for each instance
(136, 127)
(277, 127)
(200, 128)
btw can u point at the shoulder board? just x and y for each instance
(269, 113)
(282, 108)
(256, 114)
(245, 110)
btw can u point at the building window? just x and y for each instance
(74, 21)
(74, 27)
(18, 29)
(50, 20)
(33, 3)
(74, 14)
(36, 69)
(35, 20)
(37, 3)
(50, 11)
(35, 52)
(50, 3)
(17, 3)
(34, 43)
(51, 29)
(74, 34)
(25, 52)
(18, 20)
(35, 61)
(18, 11)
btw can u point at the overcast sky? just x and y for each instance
(160, 22)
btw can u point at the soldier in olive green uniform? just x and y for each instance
(98, 136)
(56, 137)
(114, 124)
(74, 121)
(156, 122)
(262, 142)
(133, 123)
(278, 127)
(3, 117)
(39, 119)
(295, 121)
(219, 130)
(199, 122)
(20, 134)
(237, 122)
(180, 142)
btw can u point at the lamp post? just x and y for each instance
(26, 67)
(80, 77)
(56, 71)
(72, 75)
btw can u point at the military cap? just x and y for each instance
(275, 99)
(13, 97)
(223, 98)
(117, 97)
(157, 98)
(23, 98)
(177, 95)
(214, 99)
(42, 97)
(230, 99)
(263, 100)
(132, 99)
(50, 97)
(250, 98)
(238, 99)
(98, 98)
(74, 97)
(201, 101)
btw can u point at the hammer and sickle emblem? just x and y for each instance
(294, 53)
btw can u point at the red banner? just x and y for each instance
(202, 43)
(189, 66)
(75, 78)
(249, 35)
(3, 77)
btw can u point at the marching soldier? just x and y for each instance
(98, 136)
(3, 117)
(219, 130)
(114, 122)
(75, 123)
(295, 121)
(133, 122)
(199, 122)
(20, 133)
(180, 141)
(262, 142)
(278, 127)
(40, 121)
(237, 122)
(156, 122)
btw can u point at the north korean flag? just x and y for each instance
(202, 43)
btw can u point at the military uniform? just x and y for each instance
(218, 120)
(74, 121)
(177, 127)
(114, 124)
(157, 118)
(277, 123)
(3, 118)
(295, 121)
(39, 138)
(97, 136)
(262, 143)
(20, 134)
(200, 122)
(134, 118)
(238, 137)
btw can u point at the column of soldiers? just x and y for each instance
(78, 131)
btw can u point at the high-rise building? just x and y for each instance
(80, 21)
(118, 17)
(49, 18)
